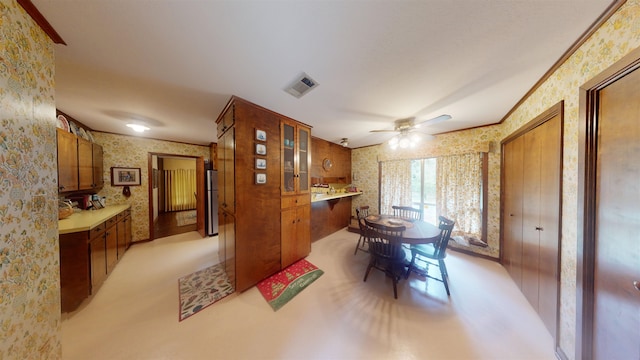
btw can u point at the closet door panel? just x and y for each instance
(512, 214)
(549, 233)
(530, 219)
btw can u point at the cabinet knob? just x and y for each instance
(539, 228)
(636, 284)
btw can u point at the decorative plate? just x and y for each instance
(90, 135)
(327, 164)
(63, 123)
(83, 134)
(74, 128)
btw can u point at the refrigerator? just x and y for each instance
(211, 203)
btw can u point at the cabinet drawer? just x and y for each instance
(96, 231)
(111, 221)
(296, 200)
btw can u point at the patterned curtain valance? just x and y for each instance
(435, 148)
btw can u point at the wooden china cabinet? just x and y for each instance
(254, 200)
(296, 201)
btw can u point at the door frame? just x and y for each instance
(199, 186)
(587, 206)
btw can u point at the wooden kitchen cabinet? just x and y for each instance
(88, 257)
(98, 258)
(67, 161)
(295, 216)
(295, 220)
(80, 163)
(250, 224)
(296, 157)
(123, 229)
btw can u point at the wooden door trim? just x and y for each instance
(587, 167)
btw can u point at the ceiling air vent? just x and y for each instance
(302, 85)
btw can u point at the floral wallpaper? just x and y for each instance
(29, 267)
(617, 37)
(131, 151)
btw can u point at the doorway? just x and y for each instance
(177, 204)
(609, 244)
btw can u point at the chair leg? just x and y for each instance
(395, 288)
(358, 245)
(410, 267)
(366, 274)
(443, 273)
(444, 267)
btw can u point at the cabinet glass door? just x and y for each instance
(303, 160)
(288, 159)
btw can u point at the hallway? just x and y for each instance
(167, 224)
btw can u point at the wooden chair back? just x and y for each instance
(446, 227)
(361, 213)
(385, 241)
(407, 212)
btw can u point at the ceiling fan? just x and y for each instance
(404, 127)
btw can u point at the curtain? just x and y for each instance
(180, 189)
(459, 193)
(395, 182)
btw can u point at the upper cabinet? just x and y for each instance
(67, 161)
(80, 163)
(296, 157)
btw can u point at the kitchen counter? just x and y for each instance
(88, 219)
(324, 197)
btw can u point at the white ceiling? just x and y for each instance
(175, 63)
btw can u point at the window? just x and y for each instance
(423, 187)
(454, 187)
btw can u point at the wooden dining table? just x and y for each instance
(416, 232)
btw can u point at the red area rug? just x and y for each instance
(280, 288)
(202, 288)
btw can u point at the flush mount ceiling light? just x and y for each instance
(344, 142)
(138, 128)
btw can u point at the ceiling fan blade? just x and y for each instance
(435, 120)
(373, 131)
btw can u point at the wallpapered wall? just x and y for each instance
(131, 151)
(616, 38)
(29, 268)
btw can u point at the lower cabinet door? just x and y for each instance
(111, 238)
(97, 249)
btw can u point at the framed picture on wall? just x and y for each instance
(261, 178)
(122, 176)
(261, 164)
(261, 135)
(261, 149)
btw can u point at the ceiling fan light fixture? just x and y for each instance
(138, 128)
(344, 142)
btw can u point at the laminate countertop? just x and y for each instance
(323, 197)
(88, 219)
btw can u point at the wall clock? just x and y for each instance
(327, 164)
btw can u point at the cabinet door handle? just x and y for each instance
(539, 228)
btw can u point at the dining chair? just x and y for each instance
(407, 212)
(433, 254)
(386, 251)
(361, 213)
